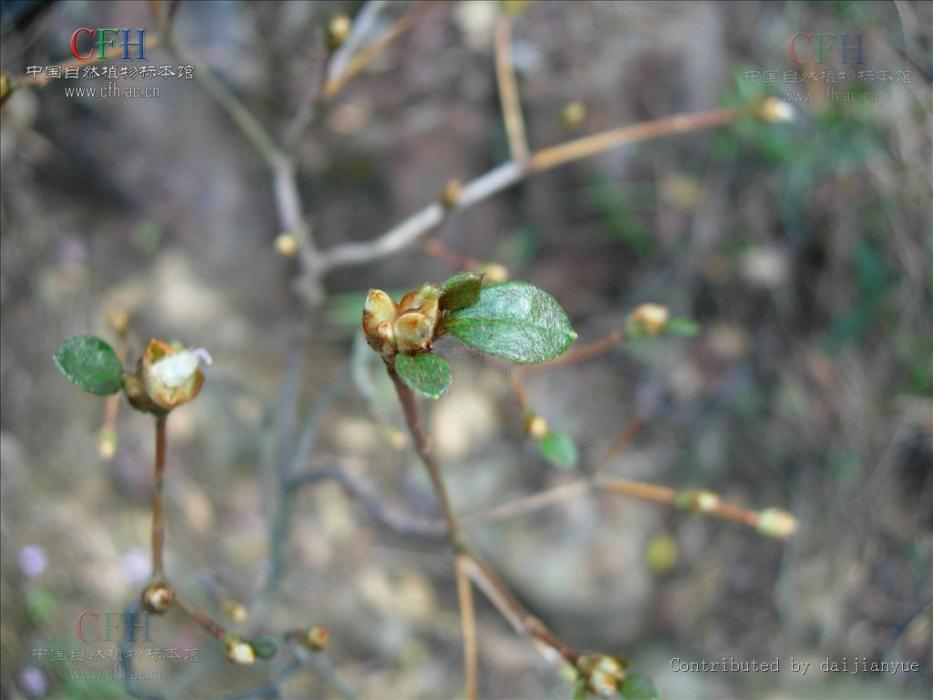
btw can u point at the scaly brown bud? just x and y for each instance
(379, 314)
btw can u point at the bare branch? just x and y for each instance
(508, 91)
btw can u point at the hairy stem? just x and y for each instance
(158, 516)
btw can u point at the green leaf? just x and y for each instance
(638, 687)
(461, 291)
(426, 373)
(559, 449)
(579, 689)
(91, 364)
(685, 327)
(265, 646)
(515, 321)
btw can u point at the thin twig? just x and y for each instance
(467, 626)
(619, 444)
(512, 172)
(158, 515)
(365, 56)
(508, 91)
(384, 517)
(407, 398)
(214, 628)
(525, 505)
(577, 354)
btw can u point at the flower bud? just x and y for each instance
(777, 523)
(697, 501)
(239, 651)
(317, 638)
(107, 443)
(774, 110)
(536, 425)
(338, 29)
(649, 319)
(234, 610)
(603, 673)
(378, 316)
(118, 320)
(494, 272)
(166, 376)
(157, 597)
(450, 195)
(572, 115)
(286, 245)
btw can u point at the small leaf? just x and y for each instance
(425, 373)
(685, 327)
(461, 291)
(638, 687)
(515, 321)
(91, 364)
(559, 449)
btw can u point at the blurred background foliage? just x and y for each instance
(804, 250)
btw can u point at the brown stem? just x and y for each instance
(362, 59)
(511, 608)
(468, 625)
(619, 444)
(578, 354)
(508, 91)
(215, 628)
(438, 249)
(407, 398)
(597, 143)
(158, 517)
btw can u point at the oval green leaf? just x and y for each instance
(559, 449)
(427, 374)
(461, 290)
(515, 321)
(638, 687)
(91, 364)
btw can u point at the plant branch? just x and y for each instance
(214, 628)
(407, 398)
(577, 354)
(467, 626)
(384, 517)
(512, 172)
(512, 609)
(364, 57)
(508, 91)
(158, 515)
